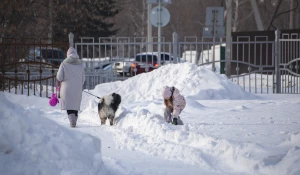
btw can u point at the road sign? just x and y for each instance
(164, 16)
(210, 12)
(208, 31)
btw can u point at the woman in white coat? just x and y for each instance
(71, 77)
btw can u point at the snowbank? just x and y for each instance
(29, 140)
(191, 80)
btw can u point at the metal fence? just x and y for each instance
(28, 66)
(263, 63)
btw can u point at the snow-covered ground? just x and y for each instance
(226, 130)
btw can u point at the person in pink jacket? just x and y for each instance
(174, 103)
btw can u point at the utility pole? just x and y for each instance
(228, 36)
(159, 32)
(214, 40)
(149, 30)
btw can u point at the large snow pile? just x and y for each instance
(29, 140)
(190, 79)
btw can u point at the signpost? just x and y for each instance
(159, 17)
(214, 27)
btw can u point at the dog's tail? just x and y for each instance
(100, 104)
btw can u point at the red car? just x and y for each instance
(148, 61)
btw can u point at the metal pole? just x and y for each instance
(214, 40)
(149, 31)
(277, 61)
(175, 44)
(159, 31)
(228, 37)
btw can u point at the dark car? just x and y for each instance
(50, 55)
(148, 61)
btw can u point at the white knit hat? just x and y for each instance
(72, 53)
(166, 92)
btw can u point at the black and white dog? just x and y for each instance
(108, 106)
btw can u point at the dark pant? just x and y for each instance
(72, 112)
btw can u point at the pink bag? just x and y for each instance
(54, 100)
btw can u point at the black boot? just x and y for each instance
(174, 121)
(73, 120)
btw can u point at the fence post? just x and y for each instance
(175, 48)
(277, 62)
(71, 39)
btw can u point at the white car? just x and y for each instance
(148, 61)
(123, 67)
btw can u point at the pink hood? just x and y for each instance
(167, 92)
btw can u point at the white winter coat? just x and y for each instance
(71, 77)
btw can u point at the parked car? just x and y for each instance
(148, 61)
(143, 62)
(123, 67)
(104, 66)
(32, 57)
(105, 70)
(49, 55)
(40, 57)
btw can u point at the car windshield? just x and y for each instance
(146, 58)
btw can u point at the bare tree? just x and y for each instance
(237, 16)
(187, 18)
(132, 19)
(21, 18)
(55, 19)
